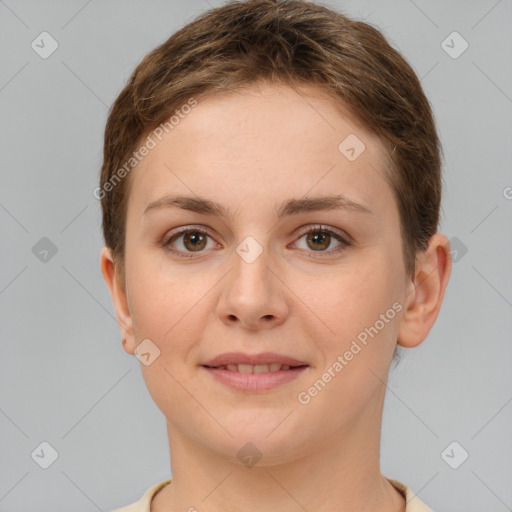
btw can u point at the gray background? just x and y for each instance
(65, 378)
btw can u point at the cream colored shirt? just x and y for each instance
(414, 504)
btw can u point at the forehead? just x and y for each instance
(261, 142)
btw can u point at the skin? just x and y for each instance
(249, 152)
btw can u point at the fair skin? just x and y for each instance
(250, 152)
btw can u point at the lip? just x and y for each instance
(253, 359)
(253, 382)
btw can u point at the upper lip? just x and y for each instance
(254, 359)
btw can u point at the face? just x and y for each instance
(266, 265)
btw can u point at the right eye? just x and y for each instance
(191, 239)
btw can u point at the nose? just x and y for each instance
(253, 295)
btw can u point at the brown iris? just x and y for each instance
(319, 237)
(196, 239)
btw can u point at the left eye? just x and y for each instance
(320, 238)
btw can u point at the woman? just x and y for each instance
(270, 190)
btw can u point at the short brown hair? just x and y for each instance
(291, 42)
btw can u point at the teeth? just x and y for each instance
(258, 368)
(245, 368)
(261, 368)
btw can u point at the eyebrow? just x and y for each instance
(287, 208)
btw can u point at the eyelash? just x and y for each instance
(345, 243)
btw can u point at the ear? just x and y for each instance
(426, 293)
(118, 293)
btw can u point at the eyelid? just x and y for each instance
(326, 229)
(184, 229)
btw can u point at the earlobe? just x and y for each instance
(119, 298)
(425, 295)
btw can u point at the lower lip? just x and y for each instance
(255, 381)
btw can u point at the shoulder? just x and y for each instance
(413, 503)
(144, 504)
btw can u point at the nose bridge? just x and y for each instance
(252, 295)
(251, 279)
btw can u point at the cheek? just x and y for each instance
(165, 309)
(356, 357)
(351, 302)
(157, 302)
(167, 306)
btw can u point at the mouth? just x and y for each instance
(257, 368)
(254, 379)
(254, 373)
